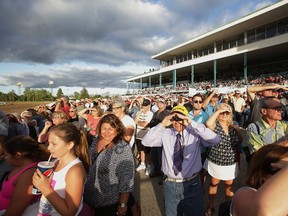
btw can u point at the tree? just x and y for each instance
(84, 93)
(77, 95)
(28, 95)
(3, 96)
(12, 96)
(59, 93)
(43, 94)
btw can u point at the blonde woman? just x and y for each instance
(222, 159)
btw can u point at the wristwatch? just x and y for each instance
(122, 205)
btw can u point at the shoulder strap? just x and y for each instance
(32, 165)
(257, 127)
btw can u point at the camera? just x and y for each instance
(176, 118)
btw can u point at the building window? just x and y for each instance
(283, 26)
(225, 44)
(194, 53)
(232, 43)
(251, 36)
(179, 59)
(240, 39)
(260, 33)
(210, 48)
(200, 52)
(189, 55)
(271, 30)
(219, 46)
(205, 50)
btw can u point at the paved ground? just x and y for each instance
(150, 194)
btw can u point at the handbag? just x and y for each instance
(141, 133)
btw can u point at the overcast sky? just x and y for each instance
(99, 43)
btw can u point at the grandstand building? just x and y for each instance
(249, 47)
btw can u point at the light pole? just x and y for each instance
(51, 88)
(19, 84)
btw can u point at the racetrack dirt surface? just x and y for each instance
(18, 107)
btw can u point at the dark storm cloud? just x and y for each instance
(74, 77)
(90, 31)
(103, 31)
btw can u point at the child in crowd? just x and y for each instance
(62, 192)
(16, 198)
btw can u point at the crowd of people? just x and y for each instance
(233, 82)
(98, 145)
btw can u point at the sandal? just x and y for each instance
(210, 211)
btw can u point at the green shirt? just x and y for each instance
(261, 133)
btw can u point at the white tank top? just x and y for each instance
(58, 183)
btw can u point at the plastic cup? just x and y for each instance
(47, 169)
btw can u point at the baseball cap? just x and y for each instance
(146, 102)
(180, 109)
(237, 92)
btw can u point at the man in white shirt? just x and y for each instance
(239, 105)
(142, 119)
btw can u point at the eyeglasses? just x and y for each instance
(277, 108)
(115, 108)
(196, 101)
(225, 113)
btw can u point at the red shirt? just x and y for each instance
(92, 124)
(66, 109)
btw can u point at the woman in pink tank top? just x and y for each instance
(22, 153)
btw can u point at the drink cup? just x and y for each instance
(47, 169)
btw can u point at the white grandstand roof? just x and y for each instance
(258, 18)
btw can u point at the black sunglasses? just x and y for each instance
(196, 101)
(225, 113)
